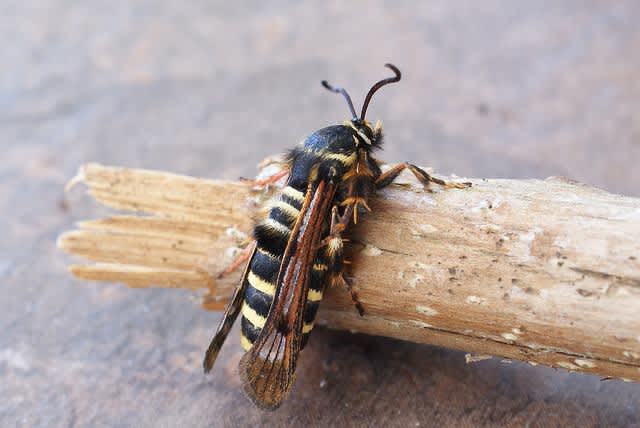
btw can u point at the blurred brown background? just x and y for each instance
(514, 89)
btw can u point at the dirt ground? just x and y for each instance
(517, 89)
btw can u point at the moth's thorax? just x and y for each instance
(330, 153)
(345, 138)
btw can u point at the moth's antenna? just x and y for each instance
(379, 85)
(344, 94)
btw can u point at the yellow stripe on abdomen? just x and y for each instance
(271, 224)
(314, 295)
(293, 193)
(246, 343)
(261, 285)
(252, 316)
(268, 254)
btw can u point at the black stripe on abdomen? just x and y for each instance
(257, 300)
(270, 239)
(249, 331)
(265, 265)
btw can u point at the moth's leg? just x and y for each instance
(240, 260)
(426, 179)
(334, 252)
(280, 159)
(356, 197)
(342, 280)
(267, 180)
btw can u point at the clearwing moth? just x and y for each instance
(298, 247)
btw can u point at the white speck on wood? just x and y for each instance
(483, 205)
(521, 249)
(470, 358)
(561, 241)
(622, 291)
(418, 265)
(490, 228)
(509, 336)
(415, 280)
(475, 300)
(628, 215)
(421, 324)
(567, 365)
(584, 363)
(424, 229)
(426, 310)
(371, 251)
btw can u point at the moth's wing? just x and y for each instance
(268, 368)
(229, 317)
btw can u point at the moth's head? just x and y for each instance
(371, 135)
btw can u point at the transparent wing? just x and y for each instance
(229, 317)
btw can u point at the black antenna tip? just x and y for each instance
(395, 69)
(344, 94)
(379, 85)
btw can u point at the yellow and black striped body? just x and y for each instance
(331, 154)
(272, 235)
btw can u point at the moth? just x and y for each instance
(298, 248)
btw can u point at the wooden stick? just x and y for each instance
(541, 271)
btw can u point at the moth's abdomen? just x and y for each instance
(272, 235)
(258, 295)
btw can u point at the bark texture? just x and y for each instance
(544, 271)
